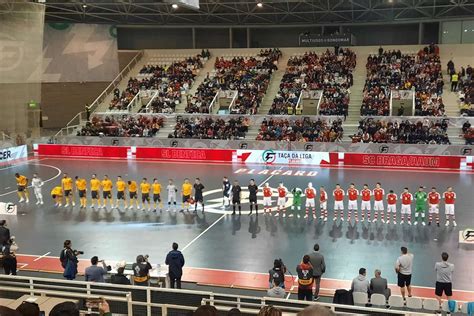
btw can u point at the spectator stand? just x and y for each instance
(123, 125)
(466, 92)
(406, 130)
(402, 103)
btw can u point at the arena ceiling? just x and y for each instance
(247, 12)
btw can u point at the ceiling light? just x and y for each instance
(174, 6)
(84, 5)
(259, 4)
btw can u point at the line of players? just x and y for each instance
(421, 199)
(150, 192)
(232, 194)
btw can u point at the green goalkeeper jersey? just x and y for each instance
(297, 193)
(420, 198)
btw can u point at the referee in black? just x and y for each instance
(253, 189)
(198, 188)
(236, 196)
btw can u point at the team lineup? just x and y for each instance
(150, 196)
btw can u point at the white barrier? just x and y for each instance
(13, 153)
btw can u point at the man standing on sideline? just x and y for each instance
(444, 278)
(403, 268)
(4, 233)
(175, 262)
(319, 268)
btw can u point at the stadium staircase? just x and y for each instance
(450, 100)
(357, 92)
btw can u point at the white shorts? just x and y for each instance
(37, 190)
(391, 208)
(406, 209)
(449, 209)
(434, 209)
(171, 198)
(323, 205)
(378, 205)
(281, 201)
(339, 205)
(310, 203)
(352, 205)
(267, 201)
(365, 206)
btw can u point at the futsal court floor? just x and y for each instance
(237, 251)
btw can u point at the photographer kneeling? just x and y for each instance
(141, 271)
(95, 273)
(277, 273)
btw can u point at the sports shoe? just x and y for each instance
(306, 216)
(409, 222)
(334, 219)
(316, 298)
(387, 222)
(325, 219)
(67, 205)
(299, 216)
(37, 202)
(277, 214)
(374, 220)
(73, 203)
(21, 200)
(41, 203)
(27, 201)
(423, 223)
(401, 222)
(454, 224)
(342, 219)
(447, 223)
(383, 221)
(284, 215)
(415, 223)
(314, 216)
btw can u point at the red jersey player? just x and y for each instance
(352, 194)
(365, 194)
(338, 195)
(281, 202)
(378, 194)
(449, 199)
(323, 203)
(267, 198)
(391, 206)
(406, 198)
(310, 194)
(433, 202)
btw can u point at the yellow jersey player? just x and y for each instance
(95, 187)
(132, 191)
(22, 184)
(121, 185)
(186, 190)
(66, 184)
(106, 191)
(57, 195)
(156, 186)
(145, 189)
(81, 187)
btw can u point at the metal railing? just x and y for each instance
(234, 99)
(140, 300)
(148, 105)
(214, 101)
(77, 120)
(299, 104)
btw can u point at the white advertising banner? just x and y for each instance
(282, 157)
(13, 153)
(8, 208)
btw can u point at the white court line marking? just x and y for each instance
(218, 220)
(21, 164)
(42, 256)
(7, 188)
(51, 179)
(198, 236)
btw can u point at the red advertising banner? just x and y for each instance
(83, 151)
(402, 161)
(187, 154)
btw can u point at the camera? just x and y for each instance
(78, 252)
(146, 257)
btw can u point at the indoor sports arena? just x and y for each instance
(237, 157)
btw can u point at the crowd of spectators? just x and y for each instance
(465, 89)
(301, 130)
(330, 72)
(169, 80)
(249, 76)
(393, 70)
(126, 126)
(424, 131)
(211, 128)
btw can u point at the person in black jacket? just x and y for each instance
(175, 262)
(4, 233)
(119, 277)
(141, 271)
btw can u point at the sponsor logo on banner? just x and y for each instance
(270, 157)
(8, 208)
(468, 235)
(12, 153)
